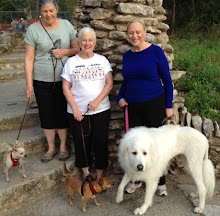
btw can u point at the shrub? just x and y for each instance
(201, 86)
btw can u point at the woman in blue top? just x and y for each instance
(147, 87)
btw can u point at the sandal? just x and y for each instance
(63, 156)
(48, 157)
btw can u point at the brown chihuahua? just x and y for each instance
(74, 185)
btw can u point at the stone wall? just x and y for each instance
(10, 40)
(110, 19)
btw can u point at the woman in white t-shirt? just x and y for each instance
(87, 81)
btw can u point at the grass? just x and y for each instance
(199, 56)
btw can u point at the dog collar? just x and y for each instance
(15, 161)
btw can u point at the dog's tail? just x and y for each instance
(65, 170)
(208, 175)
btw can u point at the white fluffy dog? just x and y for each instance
(144, 154)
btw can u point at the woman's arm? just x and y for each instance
(70, 99)
(74, 49)
(104, 93)
(28, 65)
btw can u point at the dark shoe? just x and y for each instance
(48, 157)
(63, 156)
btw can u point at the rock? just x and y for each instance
(216, 129)
(208, 127)
(197, 123)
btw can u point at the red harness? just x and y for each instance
(15, 161)
(90, 180)
(92, 188)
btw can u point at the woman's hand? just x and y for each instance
(78, 115)
(58, 53)
(29, 91)
(169, 112)
(74, 49)
(122, 102)
(93, 105)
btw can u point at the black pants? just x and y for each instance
(149, 114)
(95, 132)
(52, 104)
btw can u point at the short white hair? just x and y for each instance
(86, 30)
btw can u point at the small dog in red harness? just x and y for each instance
(86, 191)
(13, 159)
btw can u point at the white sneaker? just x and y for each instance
(131, 187)
(161, 190)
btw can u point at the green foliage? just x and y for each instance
(200, 58)
(11, 5)
(20, 8)
(70, 4)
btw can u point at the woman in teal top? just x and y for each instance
(49, 43)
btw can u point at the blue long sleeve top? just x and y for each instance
(146, 76)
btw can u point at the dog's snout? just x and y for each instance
(140, 167)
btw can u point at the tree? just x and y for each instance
(173, 19)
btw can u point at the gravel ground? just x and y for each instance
(56, 204)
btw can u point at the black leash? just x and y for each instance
(83, 137)
(88, 178)
(53, 63)
(22, 122)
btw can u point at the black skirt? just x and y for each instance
(52, 104)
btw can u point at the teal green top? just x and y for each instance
(37, 37)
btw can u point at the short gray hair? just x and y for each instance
(43, 2)
(141, 21)
(86, 30)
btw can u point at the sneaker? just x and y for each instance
(161, 190)
(131, 187)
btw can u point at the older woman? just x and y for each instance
(87, 81)
(49, 42)
(147, 87)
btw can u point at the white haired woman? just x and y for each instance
(87, 82)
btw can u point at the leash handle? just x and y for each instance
(23, 120)
(126, 119)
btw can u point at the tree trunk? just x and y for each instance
(174, 18)
(193, 8)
